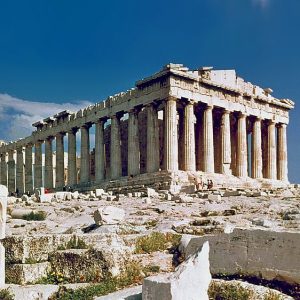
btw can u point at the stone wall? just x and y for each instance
(266, 254)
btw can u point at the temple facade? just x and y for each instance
(178, 121)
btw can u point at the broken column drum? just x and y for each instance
(177, 120)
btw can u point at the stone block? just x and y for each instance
(19, 213)
(47, 198)
(2, 266)
(99, 192)
(109, 215)
(232, 193)
(111, 198)
(36, 292)
(214, 197)
(151, 193)
(190, 280)
(241, 252)
(26, 273)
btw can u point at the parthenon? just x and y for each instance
(177, 121)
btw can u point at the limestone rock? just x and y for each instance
(109, 215)
(190, 280)
(99, 192)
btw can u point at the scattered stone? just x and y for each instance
(111, 198)
(148, 201)
(99, 192)
(229, 212)
(109, 215)
(190, 280)
(214, 197)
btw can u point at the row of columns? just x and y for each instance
(276, 167)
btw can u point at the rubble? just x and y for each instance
(190, 280)
(109, 215)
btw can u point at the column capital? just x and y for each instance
(282, 125)
(86, 125)
(243, 115)
(62, 133)
(271, 122)
(50, 138)
(20, 149)
(73, 130)
(226, 111)
(209, 106)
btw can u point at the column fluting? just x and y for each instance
(28, 169)
(189, 155)
(72, 158)
(256, 159)
(170, 135)
(11, 172)
(3, 169)
(85, 174)
(38, 167)
(272, 163)
(208, 141)
(60, 161)
(225, 143)
(20, 172)
(48, 163)
(115, 148)
(133, 144)
(282, 153)
(152, 164)
(241, 155)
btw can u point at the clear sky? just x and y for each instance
(69, 53)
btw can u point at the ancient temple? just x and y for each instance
(173, 126)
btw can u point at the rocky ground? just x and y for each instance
(147, 212)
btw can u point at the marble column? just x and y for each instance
(28, 169)
(3, 169)
(60, 161)
(241, 149)
(272, 163)
(170, 135)
(115, 148)
(282, 169)
(85, 174)
(208, 141)
(133, 144)
(11, 172)
(38, 168)
(152, 164)
(48, 163)
(72, 158)
(256, 159)
(99, 151)
(20, 172)
(225, 143)
(189, 155)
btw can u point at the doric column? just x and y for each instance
(208, 141)
(256, 159)
(170, 135)
(133, 143)
(3, 169)
(189, 156)
(241, 154)
(11, 172)
(271, 164)
(225, 143)
(48, 163)
(38, 168)
(72, 159)
(152, 164)
(99, 151)
(28, 169)
(282, 170)
(60, 161)
(85, 175)
(115, 148)
(20, 172)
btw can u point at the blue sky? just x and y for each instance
(70, 53)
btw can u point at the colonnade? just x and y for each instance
(198, 146)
